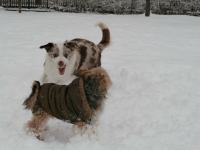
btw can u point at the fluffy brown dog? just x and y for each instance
(79, 103)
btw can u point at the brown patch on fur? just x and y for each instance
(93, 63)
(99, 60)
(83, 53)
(30, 101)
(68, 49)
(97, 82)
(94, 51)
(92, 60)
(71, 45)
(105, 39)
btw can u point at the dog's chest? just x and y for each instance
(53, 75)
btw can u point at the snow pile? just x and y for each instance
(154, 65)
(1, 8)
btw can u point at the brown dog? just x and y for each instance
(79, 103)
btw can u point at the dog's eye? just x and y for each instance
(55, 55)
(66, 55)
(67, 46)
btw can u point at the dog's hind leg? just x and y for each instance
(37, 125)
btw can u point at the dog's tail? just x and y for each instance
(105, 42)
(30, 101)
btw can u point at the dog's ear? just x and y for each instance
(47, 46)
(71, 45)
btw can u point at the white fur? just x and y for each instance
(101, 25)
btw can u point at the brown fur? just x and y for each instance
(39, 118)
(83, 54)
(87, 50)
(96, 82)
(96, 85)
(94, 51)
(105, 39)
(81, 124)
(30, 101)
(99, 60)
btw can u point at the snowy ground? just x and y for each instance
(154, 64)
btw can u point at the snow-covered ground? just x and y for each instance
(154, 64)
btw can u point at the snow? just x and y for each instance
(154, 63)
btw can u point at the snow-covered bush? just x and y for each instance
(176, 7)
(103, 6)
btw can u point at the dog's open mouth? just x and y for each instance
(61, 69)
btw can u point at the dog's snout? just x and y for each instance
(61, 63)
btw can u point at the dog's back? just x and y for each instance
(90, 54)
(96, 85)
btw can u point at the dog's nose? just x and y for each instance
(61, 63)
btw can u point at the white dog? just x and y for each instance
(64, 58)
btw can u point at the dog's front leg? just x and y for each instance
(71, 78)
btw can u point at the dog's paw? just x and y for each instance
(95, 73)
(78, 130)
(80, 72)
(85, 130)
(92, 131)
(79, 127)
(36, 133)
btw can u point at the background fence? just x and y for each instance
(26, 3)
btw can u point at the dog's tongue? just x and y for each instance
(61, 70)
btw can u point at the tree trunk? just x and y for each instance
(0, 3)
(57, 3)
(147, 13)
(20, 5)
